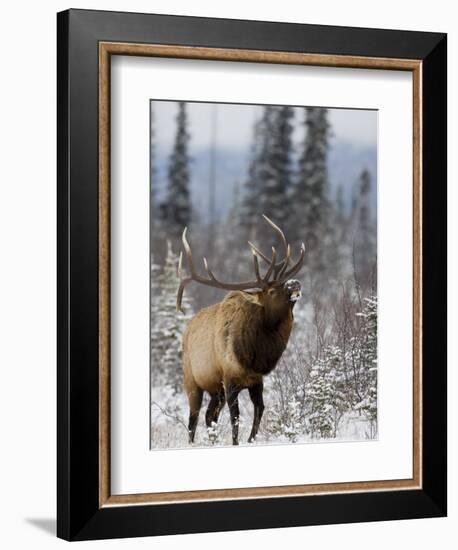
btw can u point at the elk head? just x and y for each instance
(277, 289)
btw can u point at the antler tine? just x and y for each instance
(263, 280)
(280, 274)
(181, 288)
(256, 265)
(258, 252)
(180, 265)
(209, 271)
(272, 266)
(280, 266)
(188, 251)
(278, 230)
(184, 281)
(296, 267)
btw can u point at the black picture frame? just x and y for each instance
(79, 515)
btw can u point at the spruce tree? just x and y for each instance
(233, 252)
(157, 376)
(364, 241)
(326, 394)
(367, 363)
(248, 206)
(177, 210)
(364, 190)
(270, 173)
(251, 206)
(312, 187)
(167, 325)
(278, 176)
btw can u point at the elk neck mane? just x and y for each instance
(258, 336)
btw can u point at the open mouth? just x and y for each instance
(295, 295)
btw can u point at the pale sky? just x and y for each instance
(235, 124)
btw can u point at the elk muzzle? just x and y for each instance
(293, 286)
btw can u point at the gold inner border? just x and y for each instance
(106, 50)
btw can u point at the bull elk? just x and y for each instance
(232, 345)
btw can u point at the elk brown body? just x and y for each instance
(232, 345)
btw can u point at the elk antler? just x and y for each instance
(279, 270)
(276, 269)
(296, 267)
(260, 282)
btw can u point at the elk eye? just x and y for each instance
(272, 291)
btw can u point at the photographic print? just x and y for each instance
(263, 243)
(244, 268)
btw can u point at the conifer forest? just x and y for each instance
(217, 169)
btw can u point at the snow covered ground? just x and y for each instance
(169, 417)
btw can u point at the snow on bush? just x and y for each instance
(167, 325)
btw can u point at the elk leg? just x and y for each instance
(214, 408)
(258, 403)
(233, 402)
(221, 403)
(195, 402)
